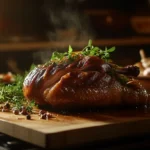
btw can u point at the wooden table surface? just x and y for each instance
(71, 130)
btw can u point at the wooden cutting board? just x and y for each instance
(66, 130)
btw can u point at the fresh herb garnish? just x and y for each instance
(70, 52)
(30, 105)
(57, 56)
(89, 50)
(13, 94)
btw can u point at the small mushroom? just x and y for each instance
(144, 60)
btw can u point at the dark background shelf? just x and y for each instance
(33, 29)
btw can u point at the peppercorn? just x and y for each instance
(23, 112)
(16, 111)
(22, 108)
(28, 117)
(6, 106)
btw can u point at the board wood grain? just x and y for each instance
(66, 130)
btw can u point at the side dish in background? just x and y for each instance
(6, 77)
(144, 64)
(86, 79)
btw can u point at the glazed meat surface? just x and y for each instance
(86, 82)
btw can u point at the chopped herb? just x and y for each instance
(57, 56)
(30, 106)
(89, 50)
(70, 52)
(13, 93)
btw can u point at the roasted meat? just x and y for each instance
(85, 82)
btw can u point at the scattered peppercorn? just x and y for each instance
(6, 106)
(22, 108)
(23, 112)
(16, 111)
(28, 117)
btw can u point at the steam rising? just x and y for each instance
(66, 24)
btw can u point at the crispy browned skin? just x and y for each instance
(86, 82)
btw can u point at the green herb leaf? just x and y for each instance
(13, 93)
(111, 49)
(90, 43)
(90, 50)
(70, 52)
(56, 56)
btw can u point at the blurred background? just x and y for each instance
(30, 30)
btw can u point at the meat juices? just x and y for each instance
(86, 82)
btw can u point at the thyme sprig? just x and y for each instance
(89, 50)
(58, 56)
